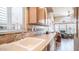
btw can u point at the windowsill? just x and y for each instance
(10, 31)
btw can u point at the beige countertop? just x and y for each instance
(29, 43)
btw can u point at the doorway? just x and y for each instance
(65, 23)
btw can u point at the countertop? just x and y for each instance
(17, 45)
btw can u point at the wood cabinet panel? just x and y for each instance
(75, 11)
(36, 14)
(41, 14)
(25, 19)
(32, 15)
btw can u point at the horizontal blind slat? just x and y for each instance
(3, 14)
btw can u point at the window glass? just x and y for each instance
(56, 27)
(17, 18)
(71, 28)
(63, 26)
(11, 19)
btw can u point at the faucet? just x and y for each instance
(33, 28)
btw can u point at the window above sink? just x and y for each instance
(11, 19)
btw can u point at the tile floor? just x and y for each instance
(66, 45)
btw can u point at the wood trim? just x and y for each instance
(25, 22)
(37, 13)
(76, 21)
(28, 15)
(48, 47)
(45, 14)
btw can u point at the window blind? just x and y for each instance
(3, 15)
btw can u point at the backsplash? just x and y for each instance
(44, 27)
(38, 29)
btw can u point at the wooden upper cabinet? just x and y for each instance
(32, 12)
(76, 11)
(41, 14)
(36, 14)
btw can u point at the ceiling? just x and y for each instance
(59, 13)
(62, 11)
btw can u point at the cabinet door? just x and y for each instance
(41, 14)
(32, 15)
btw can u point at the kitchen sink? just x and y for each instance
(30, 43)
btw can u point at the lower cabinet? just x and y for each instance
(51, 46)
(47, 48)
